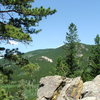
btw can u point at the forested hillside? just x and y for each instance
(47, 67)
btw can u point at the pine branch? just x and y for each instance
(8, 11)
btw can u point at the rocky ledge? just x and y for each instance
(61, 88)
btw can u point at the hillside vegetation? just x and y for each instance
(45, 67)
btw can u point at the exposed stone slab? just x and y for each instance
(48, 85)
(92, 88)
(60, 88)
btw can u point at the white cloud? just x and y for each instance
(12, 42)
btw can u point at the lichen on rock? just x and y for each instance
(61, 88)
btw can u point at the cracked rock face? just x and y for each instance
(92, 89)
(47, 86)
(71, 90)
(60, 88)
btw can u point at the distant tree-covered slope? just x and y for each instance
(46, 67)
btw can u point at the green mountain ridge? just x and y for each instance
(47, 68)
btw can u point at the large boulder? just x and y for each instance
(48, 85)
(61, 88)
(92, 88)
(71, 90)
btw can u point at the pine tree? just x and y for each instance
(95, 58)
(71, 42)
(18, 19)
(67, 66)
(93, 68)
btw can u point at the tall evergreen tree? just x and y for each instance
(67, 66)
(93, 68)
(71, 42)
(95, 57)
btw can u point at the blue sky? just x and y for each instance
(84, 13)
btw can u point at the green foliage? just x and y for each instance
(20, 93)
(4, 95)
(20, 26)
(95, 57)
(26, 90)
(97, 40)
(11, 31)
(70, 60)
(5, 74)
(61, 68)
(72, 36)
(86, 74)
(47, 68)
(3, 78)
(13, 55)
(30, 68)
(93, 67)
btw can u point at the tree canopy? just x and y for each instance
(95, 57)
(18, 19)
(71, 40)
(93, 67)
(67, 65)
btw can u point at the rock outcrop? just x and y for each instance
(48, 85)
(61, 88)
